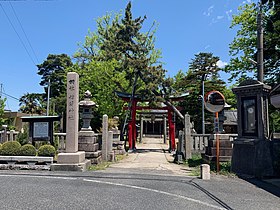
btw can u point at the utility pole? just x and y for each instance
(202, 108)
(1, 89)
(48, 102)
(260, 43)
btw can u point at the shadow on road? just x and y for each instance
(210, 195)
(149, 150)
(263, 185)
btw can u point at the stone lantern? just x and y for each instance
(86, 108)
(251, 150)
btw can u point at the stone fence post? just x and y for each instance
(105, 137)
(188, 149)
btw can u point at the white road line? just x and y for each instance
(116, 184)
(156, 191)
(32, 176)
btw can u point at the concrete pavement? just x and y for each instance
(152, 155)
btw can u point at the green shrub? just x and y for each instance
(195, 161)
(27, 150)
(46, 150)
(23, 137)
(10, 148)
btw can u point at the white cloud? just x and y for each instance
(206, 47)
(220, 17)
(221, 64)
(209, 11)
(228, 13)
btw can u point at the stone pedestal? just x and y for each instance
(211, 149)
(252, 157)
(71, 162)
(88, 143)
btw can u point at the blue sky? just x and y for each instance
(186, 27)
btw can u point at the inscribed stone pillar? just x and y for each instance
(188, 151)
(105, 137)
(72, 112)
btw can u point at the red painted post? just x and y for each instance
(172, 146)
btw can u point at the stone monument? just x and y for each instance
(251, 150)
(72, 160)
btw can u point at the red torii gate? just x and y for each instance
(132, 132)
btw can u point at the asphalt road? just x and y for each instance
(130, 189)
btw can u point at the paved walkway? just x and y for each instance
(152, 154)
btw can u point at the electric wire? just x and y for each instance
(5, 94)
(7, 101)
(17, 34)
(32, 49)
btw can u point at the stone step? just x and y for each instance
(93, 154)
(88, 147)
(210, 158)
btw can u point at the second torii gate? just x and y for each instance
(131, 127)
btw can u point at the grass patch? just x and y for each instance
(120, 157)
(195, 171)
(106, 164)
(101, 166)
(224, 169)
(195, 161)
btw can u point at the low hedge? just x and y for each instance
(28, 150)
(10, 148)
(46, 150)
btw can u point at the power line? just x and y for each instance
(24, 32)
(17, 34)
(10, 96)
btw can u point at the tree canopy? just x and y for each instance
(202, 68)
(54, 69)
(31, 103)
(243, 48)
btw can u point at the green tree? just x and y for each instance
(121, 39)
(54, 68)
(244, 46)
(99, 78)
(119, 43)
(31, 103)
(202, 67)
(2, 110)
(135, 51)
